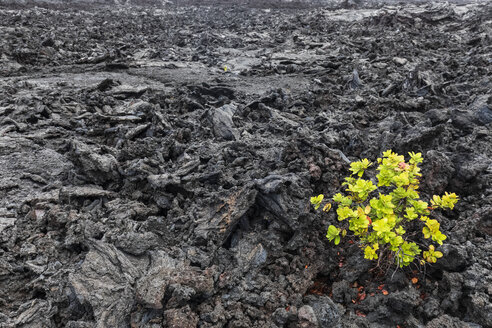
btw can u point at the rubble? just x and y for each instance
(157, 160)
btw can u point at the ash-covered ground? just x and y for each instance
(156, 163)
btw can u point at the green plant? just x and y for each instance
(380, 223)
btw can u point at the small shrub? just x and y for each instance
(380, 223)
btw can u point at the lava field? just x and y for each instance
(157, 162)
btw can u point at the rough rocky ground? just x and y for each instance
(156, 164)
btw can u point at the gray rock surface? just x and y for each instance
(144, 185)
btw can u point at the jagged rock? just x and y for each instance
(129, 210)
(166, 272)
(342, 293)
(222, 121)
(99, 167)
(326, 311)
(71, 193)
(448, 321)
(226, 215)
(105, 281)
(181, 318)
(455, 257)
(36, 313)
(482, 110)
(432, 308)
(156, 164)
(307, 317)
(163, 180)
(479, 307)
(452, 285)
(6, 222)
(79, 324)
(404, 301)
(280, 316)
(250, 255)
(438, 171)
(136, 243)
